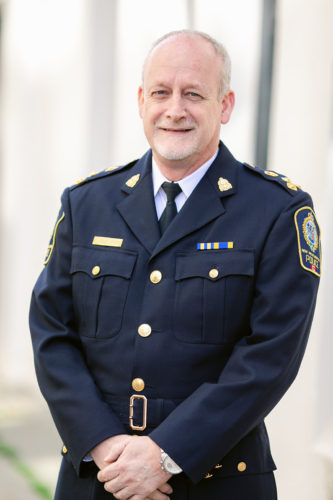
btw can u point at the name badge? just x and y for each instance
(104, 241)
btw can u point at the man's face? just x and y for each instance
(180, 104)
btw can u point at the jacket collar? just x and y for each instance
(203, 206)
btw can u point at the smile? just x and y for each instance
(177, 131)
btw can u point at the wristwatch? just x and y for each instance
(169, 465)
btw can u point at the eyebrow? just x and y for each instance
(192, 86)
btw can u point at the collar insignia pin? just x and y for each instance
(133, 181)
(224, 184)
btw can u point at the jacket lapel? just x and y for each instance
(138, 207)
(205, 203)
(203, 206)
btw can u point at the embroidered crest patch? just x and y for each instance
(308, 234)
(53, 238)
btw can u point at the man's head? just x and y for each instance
(220, 50)
(184, 98)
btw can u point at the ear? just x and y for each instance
(140, 101)
(228, 103)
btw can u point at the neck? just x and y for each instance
(176, 170)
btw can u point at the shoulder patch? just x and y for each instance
(270, 175)
(50, 248)
(308, 235)
(103, 173)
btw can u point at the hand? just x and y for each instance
(165, 488)
(137, 473)
(111, 448)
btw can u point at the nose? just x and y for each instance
(176, 109)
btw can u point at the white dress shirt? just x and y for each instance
(187, 185)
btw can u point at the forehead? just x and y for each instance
(181, 57)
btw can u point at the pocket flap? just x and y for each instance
(214, 265)
(99, 263)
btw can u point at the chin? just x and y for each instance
(176, 152)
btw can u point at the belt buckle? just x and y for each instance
(144, 413)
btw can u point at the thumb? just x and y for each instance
(115, 452)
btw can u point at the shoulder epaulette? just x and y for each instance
(270, 175)
(104, 173)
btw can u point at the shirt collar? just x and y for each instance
(188, 183)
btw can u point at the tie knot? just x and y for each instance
(171, 189)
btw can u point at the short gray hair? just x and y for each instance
(220, 51)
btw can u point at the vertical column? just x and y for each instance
(103, 75)
(265, 82)
(237, 25)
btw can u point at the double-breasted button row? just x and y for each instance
(241, 467)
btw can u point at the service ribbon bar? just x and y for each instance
(217, 245)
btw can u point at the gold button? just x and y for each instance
(155, 277)
(241, 466)
(138, 384)
(218, 466)
(96, 270)
(144, 330)
(213, 273)
(64, 450)
(208, 475)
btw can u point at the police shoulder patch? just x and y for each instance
(53, 238)
(308, 234)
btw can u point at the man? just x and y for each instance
(171, 318)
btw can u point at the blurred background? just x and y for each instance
(69, 73)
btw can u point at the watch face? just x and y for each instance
(170, 466)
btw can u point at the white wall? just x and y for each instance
(45, 80)
(70, 73)
(300, 139)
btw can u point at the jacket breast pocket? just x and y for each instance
(100, 284)
(213, 295)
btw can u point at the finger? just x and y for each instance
(115, 452)
(157, 495)
(108, 473)
(118, 489)
(166, 488)
(125, 494)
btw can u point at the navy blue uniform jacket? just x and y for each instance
(223, 347)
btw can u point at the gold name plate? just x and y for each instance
(104, 241)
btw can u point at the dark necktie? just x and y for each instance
(171, 189)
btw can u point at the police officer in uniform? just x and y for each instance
(176, 301)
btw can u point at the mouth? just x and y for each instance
(176, 130)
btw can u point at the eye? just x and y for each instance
(157, 93)
(194, 95)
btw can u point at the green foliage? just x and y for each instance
(36, 485)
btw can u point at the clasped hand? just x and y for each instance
(130, 468)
